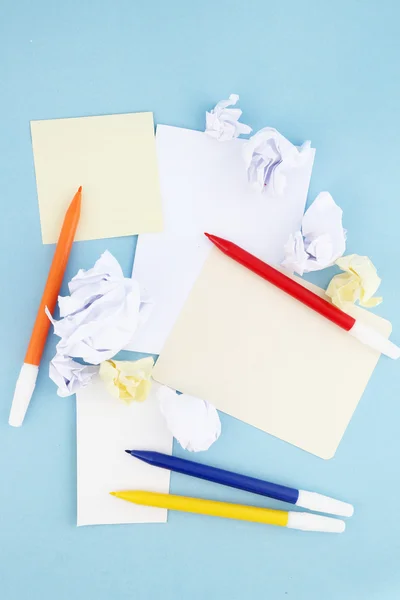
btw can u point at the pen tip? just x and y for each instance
(128, 451)
(208, 235)
(80, 189)
(113, 494)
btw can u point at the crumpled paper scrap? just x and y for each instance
(100, 315)
(321, 241)
(70, 375)
(222, 123)
(358, 283)
(269, 158)
(128, 380)
(193, 422)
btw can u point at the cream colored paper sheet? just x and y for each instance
(114, 158)
(265, 358)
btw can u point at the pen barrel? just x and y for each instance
(290, 286)
(49, 298)
(283, 282)
(255, 486)
(53, 284)
(211, 508)
(223, 477)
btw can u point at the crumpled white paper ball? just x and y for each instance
(222, 123)
(70, 375)
(100, 315)
(321, 241)
(269, 158)
(193, 422)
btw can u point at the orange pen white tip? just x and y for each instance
(27, 378)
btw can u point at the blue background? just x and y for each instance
(325, 71)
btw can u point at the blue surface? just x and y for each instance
(327, 71)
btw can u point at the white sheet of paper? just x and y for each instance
(106, 428)
(204, 187)
(265, 358)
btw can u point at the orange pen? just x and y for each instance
(27, 378)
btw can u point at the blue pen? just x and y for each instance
(301, 498)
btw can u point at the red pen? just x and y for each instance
(359, 330)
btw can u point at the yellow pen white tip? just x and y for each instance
(281, 518)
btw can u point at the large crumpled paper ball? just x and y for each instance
(193, 422)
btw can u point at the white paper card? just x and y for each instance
(106, 428)
(204, 187)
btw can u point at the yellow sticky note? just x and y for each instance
(114, 159)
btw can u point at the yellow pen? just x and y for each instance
(282, 518)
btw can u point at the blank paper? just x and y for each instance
(204, 187)
(114, 159)
(106, 427)
(263, 357)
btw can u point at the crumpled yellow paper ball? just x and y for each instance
(128, 380)
(359, 282)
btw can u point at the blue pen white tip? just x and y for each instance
(303, 499)
(324, 504)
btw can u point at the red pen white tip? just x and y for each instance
(355, 328)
